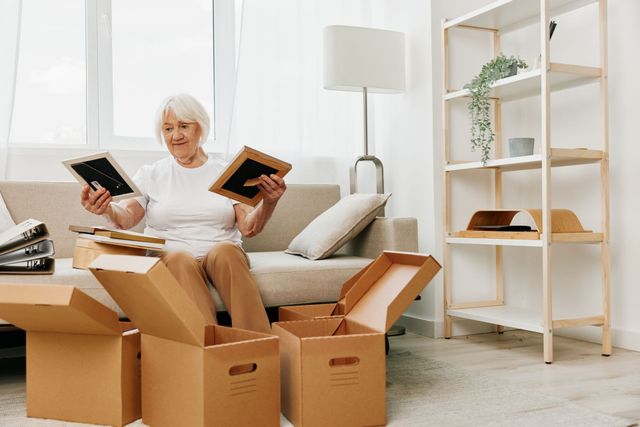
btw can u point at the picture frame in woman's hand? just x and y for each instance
(238, 181)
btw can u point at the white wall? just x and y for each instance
(576, 269)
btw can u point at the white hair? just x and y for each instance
(187, 109)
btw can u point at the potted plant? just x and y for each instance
(482, 135)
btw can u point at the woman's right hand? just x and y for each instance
(96, 202)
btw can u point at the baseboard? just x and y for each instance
(426, 328)
(621, 338)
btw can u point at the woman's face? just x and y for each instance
(182, 138)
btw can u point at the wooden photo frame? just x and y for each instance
(101, 170)
(239, 179)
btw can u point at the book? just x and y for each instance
(238, 181)
(24, 234)
(115, 233)
(26, 249)
(38, 266)
(39, 250)
(101, 170)
(503, 227)
(124, 242)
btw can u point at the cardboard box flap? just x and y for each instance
(56, 308)
(388, 287)
(346, 286)
(151, 297)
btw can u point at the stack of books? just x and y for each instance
(26, 249)
(112, 236)
(94, 241)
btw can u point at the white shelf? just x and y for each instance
(508, 15)
(512, 317)
(559, 157)
(562, 76)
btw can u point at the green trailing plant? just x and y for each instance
(482, 135)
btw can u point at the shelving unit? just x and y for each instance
(499, 18)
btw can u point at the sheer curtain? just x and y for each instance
(280, 104)
(10, 15)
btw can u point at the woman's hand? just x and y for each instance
(251, 221)
(272, 188)
(96, 202)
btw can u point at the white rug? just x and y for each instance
(420, 392)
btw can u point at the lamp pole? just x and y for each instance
(353, 172)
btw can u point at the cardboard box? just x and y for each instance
(83, 365)
(193, 374)
(333, 368)
(85, 251)
(315, 311)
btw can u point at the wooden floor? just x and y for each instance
(610, 385)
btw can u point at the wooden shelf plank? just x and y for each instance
(584, 238)
(513, 317)
(576, 237)
(579, 321)
(494, 242)
(561, 76)
(559, 157)
(507, 15)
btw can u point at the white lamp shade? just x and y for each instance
(357, 57)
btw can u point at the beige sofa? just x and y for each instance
(283, 279)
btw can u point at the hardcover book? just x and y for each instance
(114, 233)
(101, 170)
(238, 181)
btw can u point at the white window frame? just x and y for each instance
(99, 99)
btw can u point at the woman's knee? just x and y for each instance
(183, 259)
(226, 252)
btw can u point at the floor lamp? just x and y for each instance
(368, 60)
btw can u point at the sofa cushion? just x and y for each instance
(285, 279)
(337, 225)
(282, 279)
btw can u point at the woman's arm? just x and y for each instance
(252, 221)
(124, 214)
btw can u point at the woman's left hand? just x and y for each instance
(272, 187)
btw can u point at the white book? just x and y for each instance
(26, 233)
(123, 242)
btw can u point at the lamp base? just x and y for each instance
(353, 174)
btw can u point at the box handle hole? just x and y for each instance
(344, 361)
(247, 368)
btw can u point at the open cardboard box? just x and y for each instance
(85, 251)
(316, 311)
(193, 374)
(82, 363)
(333, 368)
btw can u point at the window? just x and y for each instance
(99, 85)
(50, 94)
(159, 48)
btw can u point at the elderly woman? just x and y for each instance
(202, 229)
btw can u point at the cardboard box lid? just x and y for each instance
(56, 308)
(346, 286)
(151, 297)
(387, 288)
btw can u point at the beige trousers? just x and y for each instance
(227, 267)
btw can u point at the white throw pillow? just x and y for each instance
(6, 222)
(337, 225)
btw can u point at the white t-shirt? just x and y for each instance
(180, 208)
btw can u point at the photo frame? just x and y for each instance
(239, 179)
(101, 170)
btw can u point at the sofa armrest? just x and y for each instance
(393, 234)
